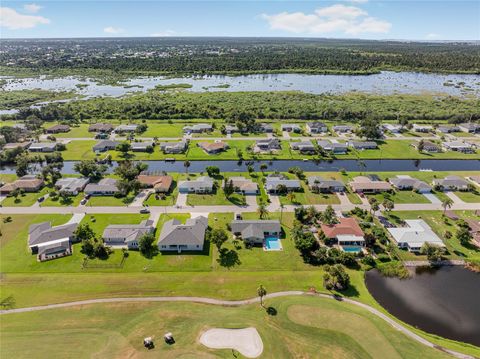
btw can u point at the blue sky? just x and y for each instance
(368, 19)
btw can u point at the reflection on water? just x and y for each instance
(443, 301)
(385, 82)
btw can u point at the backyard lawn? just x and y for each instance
(303, 327)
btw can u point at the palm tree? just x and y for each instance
(262, 210)
(282, 206)
(186, 164)
(261, 292)
(447, 203)
(263, 167)
(291, 197)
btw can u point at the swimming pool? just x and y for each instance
(272, 244)
(352, 249)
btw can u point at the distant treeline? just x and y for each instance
(245, 106)
(203, 56)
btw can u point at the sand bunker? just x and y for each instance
(246, 341)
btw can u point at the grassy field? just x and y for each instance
(80, 131)
(303, 327)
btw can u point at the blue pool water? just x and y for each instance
(272, 244)
(352, 249)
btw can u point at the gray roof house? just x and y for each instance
(448, 129)
(71, 185)
(100, 127)
(231, 129)
(105, 187)
(126, 128)
(200, 185)
(428, 146)
(244, 185)
(273, 182)
(458, 146)
(51, 242)
(265, 145)
(342, 128)
(335, 148)
(266, 127)
(105, 145)
(303, 146)
(409, 183)
(58, 129)
(255, 231)
(321, 184)
(142, 146)
(43, 147)
(174, 147)
(126, 235)
(198, 128)
(469, 127)
(393, 128)
(291, 127)
(422, 128)
(363, 145)
(179, 237)
(451, 183)
(316, 127)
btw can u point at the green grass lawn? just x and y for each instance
(469, 197)
(400, 197)
(440, 225)
(80, 131)
(7, 177)
(110, 201)
(169, 199)
(353, 197)
(79, 150)
(59, 202)
(303, 327)
(157, 129)
(216, 198)
(307, 197)
(26, 200)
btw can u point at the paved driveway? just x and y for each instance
(141, 196)
(432, 198)
(181, 200)
(454, 197)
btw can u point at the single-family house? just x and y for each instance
(346, 232)
(363, 184)
(43, 147)
(255, 231)
(265, 127)
(405, 182)
(316, 127)
(274, 183)
(49, 242)
(213, 147)
(142, 146)
(15, 145)
(28, 183)
(459, 146)
(126, 128)
(174, 147)
(105, 187)
(200, 185)
(428, 146)
(414, 235)
(343, 129)
(475, 179)
(198, 128)
(126, 235)
(71, 185)
(101, 127)
(448, 129)
(267, 145)
(291, 127)
(58, 129)
(229, 129)
(244, 185)
(393, 128)
(105, 145)
(306, 147)
(320, 184)
(179, 237)
(363, 145)
(422, 128)
(451, 183)
(160, 183)
(334, 147)
(469, 127)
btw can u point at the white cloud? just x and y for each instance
(32, 8)
(358, 1)
(432, 36)
(113, 30)
(349, 20)
(11, 19)
(165, 33)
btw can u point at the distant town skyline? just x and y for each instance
(364, 19)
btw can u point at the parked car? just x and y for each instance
(83, 201)
(144, 211)
(41, 199)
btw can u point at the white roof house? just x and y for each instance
(190, 236)
(126, 128)
(71, 185)
(200, 185)
(414, 235)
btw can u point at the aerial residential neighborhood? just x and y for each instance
(256, 179)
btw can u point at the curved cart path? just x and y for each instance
(232, 303)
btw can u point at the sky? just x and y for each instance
(366, 19)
